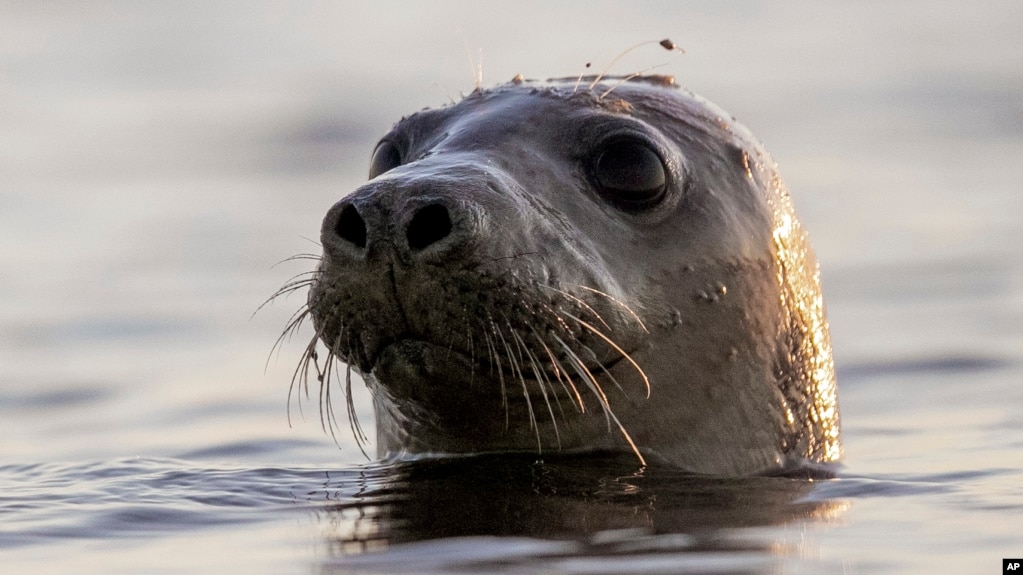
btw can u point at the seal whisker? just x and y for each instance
(496, 364)
(310, 358)
(311, 273)
(451, 343)
(522, 380)
(290, 286)
(300, 374)
(490, 349)
(285, 290)
(540, 383)
(614, 380)
(293, 283)
(620, 303)
(592, 383)
(517, 371)
(289, 330)
(296, 319)
(327, 418)
(472, 353)
(580, 302)
(353, 419)
(543, 381)
(527, 354)
(587, 378)
(561, 374)
(624, 354)
(302, 256)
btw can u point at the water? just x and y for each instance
(157, 160)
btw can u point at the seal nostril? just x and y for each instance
(351, 227)
(430, 224)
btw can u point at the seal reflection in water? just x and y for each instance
(605, 264)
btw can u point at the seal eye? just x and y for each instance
(630, 174)
(385, 157)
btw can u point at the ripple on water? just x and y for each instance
(144, 497)
(500, 514)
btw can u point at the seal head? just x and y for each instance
(564, 266)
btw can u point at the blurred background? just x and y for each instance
(157, 160)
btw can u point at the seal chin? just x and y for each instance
(409, 364)
(425, 373)
(430, 386)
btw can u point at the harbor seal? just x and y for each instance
(580, 264)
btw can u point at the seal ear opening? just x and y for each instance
(385, 157)
(630, 174)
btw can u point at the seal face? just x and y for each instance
(561, 266)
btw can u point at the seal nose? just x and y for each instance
(429, 225)
(356, 228)
(350, 226)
